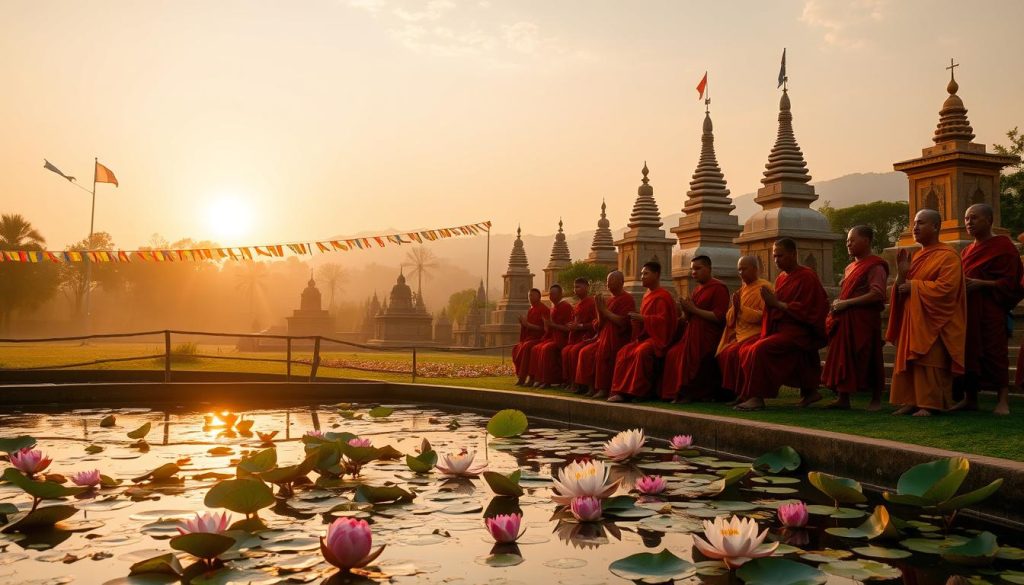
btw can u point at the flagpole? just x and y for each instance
(88, 245)
(487, 277)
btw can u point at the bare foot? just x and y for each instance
(1002, 409)
(839, 404)
(618, 398)
(751, 404)
(965, 404)
(599, 394)
(904, 410)
(875, 405)
(923, 412)
(809, 399)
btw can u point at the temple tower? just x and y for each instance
(442, 329)
(503, 328)
(602, 249)
(470, 333)
(560, 260)
(708, 226)
(645, 241)
(403, 319)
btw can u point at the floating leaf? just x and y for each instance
(162, 473)
(93, 449)
(971, 498)
(862, 570)
(140, 432)
(244, 426)
(840, 489)
(221, 451)
(290, 473)
(166, 564)
(504, 485)
(108, 421)
(877, 525)
(245, 496)
(825, 556)
(978, 551)
(775, 571)
(378, 495)
(46, 490)
(259, 461)
(381, 412)
(16, 444)
(734, 475)
(43, 517)
(507, 423)
(777, 461)
(880, 552)
(423, 462)
(204, 545)
(653, 568)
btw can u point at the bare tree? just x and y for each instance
(251, 281)
(422, 263)
(332, 276)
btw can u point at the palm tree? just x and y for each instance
(331, 275)
(22, 285)
(422, 262)
(16, 233)
(251, 281)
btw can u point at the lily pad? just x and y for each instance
(46, 490)
(381, 412)
(978, 551)
(108, 421)
(204, 545)
(777, 461)
(39, 518)
(10, 445)
(878, 524)
(774, 571)
(423, 462)
(504, 485)
(140, 432)
(862, 570)
(258, 462)
(165, 564)
(653, 568)
(162, 473)
(245, 496)
(840, 489)
(507, 423)
(382, 494)
(881, 552)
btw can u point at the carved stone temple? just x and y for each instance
(470, 332)
(645, 241)
(559, 261)
(310, 318)
(602, 249)
(708, 226)
(403, 319)
(786, 199)
(503, 328)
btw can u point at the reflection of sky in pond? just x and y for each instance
(439, 537)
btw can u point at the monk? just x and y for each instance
(742, 323)
(653, 328)
(792, 332)
(927, 321)
(854, 325)
(581, 329)
(992, 275)
(597, 360)
(691, 371)
(545, 357)
(531, 330)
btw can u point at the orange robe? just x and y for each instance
(545, 357)
(986, 352)
(597, 360)
(787, 352)
(585, 314)
(854, 361)
(635, 363)
(690, 366)
(928, 326)
(528, 338)
(740, 332)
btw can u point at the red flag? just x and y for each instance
(104, 175)
(702, 85)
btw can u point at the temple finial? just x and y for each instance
(603, 207)
(519, 232)
(953, 86)
(559, 224)
(645, 171)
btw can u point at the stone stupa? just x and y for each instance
(503, 328)
(645, 241)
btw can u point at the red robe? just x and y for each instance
(691, 369)
(634, 364)
(986, 359)
(787, 352)
(545, 358)
(528, 338)
(854, 361)
(597, 360)
(585, 314)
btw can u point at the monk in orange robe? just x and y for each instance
(691, 371)
(653, 328)
(581, 329)
(546, 356)
(597, 360)
(992, 273)
(742, 323)
(854, 326)
(792, 332)
(531, 331)
(927, 322)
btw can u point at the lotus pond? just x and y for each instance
(423, 481)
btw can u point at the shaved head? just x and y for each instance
(749, 269)
(927, 224)
(747, 261)
(931, 216)
(614, 281)
(978, 220)
(983, 209)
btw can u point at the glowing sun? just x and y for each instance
(229, 217)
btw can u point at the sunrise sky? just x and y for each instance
(251, 122)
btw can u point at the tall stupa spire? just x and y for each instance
(645, 208)
(560, 258)
(644, 241)
(786, 161)
(517, 259)
(602, 249)
(953, 123)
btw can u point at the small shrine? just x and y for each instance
(403, 319)
(310, 318)
(503, 327)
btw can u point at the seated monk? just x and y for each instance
(691, 371)
(927, 322)
(531, 331)
(596, 361)
(992, 273)
(854, 326)
(653, 328)
(581, 329)
(742, 323)
(546, 356)
(792, 332)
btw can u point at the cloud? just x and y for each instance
(844, 23)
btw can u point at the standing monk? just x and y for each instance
(581, 328)
(792, 332)
(597, 360)
(545, 358)
(742, 323)
(653, 328)
(927, 322)
(992, 272)
(691, 371)
(854, 326)
(531, 330)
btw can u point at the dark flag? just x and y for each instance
(48, 166)
(782, 69)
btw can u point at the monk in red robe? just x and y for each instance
(992, 272)
(691, 371)
(742, 323)
(927, 321)
(531, 331)
(597, 360)
(854, 326)
(581, 329)
(792, 332)
(546, 356)
(653, 329)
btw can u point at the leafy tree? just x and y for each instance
(1011, 185)
(595, 273)
(459, 304)
(888, 218)
(23, 286)
(77, 277)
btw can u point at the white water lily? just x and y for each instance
(625, 445)
(460, 464)
(583, 478)
(734, 541)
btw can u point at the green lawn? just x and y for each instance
(979, 433)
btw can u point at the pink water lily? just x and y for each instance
(734, 541)
(315, 433)
(208, 522)
(348, 544)
(586, 508)
(793, 515)
(651, 485)
(680, 442)
(357, 442)
(625, 445)
(460, 464)
(504, 528)
(30, 461)
(86, 478)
